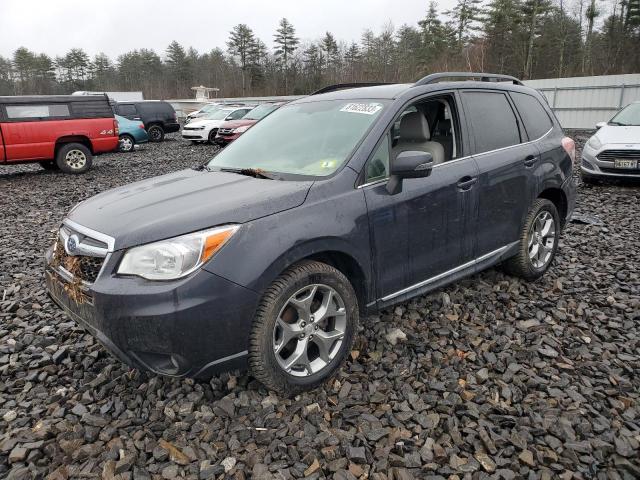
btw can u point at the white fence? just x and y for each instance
(581, 102)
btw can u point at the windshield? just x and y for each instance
(217, 115)
(313, 138)
(260, 112)
(210, 107)
(629, 115)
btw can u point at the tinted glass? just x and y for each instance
(37, 111)
(492, 120)
(238, 114)
(535, 118)
(127, 110)
(217, 114)
(312, 138)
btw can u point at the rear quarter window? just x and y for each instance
(492, 120)
(37, 111)
(535, 117)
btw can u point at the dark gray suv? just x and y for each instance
(335, 206)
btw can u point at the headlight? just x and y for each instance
(241, 129)
(594, 143)
(175, 257)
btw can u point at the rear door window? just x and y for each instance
(127, 110)
(535, 117)
(37, 111)
(492, 120)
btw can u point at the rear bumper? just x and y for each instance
(194, 326)
(171, 127)
(569, 189)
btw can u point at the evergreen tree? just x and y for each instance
(286, 44)
(241, 43)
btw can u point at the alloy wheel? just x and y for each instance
(542, 238)
(309, 330)
(76, 159)
(126, 144)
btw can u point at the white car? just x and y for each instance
(614, 150)
(204, 128)
(207, 108)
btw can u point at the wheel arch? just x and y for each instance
(557, 196)
(83, 140)
(331, 251)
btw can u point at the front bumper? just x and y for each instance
(226, 139)
(194, 326)
(195, 134)
(592, 166)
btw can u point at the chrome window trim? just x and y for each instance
(444, 274)
(110, 241)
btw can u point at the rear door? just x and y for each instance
(505, 161)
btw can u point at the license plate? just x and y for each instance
(619, 163)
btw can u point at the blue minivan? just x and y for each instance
(132, 133)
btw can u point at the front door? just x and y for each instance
(506, 184)
(425, 230)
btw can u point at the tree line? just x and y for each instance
(524, 38)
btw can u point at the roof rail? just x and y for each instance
(483, 77)
(344, 86)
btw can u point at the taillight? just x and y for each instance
(570, 147)
(141, 125)
(115, 127)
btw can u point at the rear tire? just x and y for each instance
(74, 158)
(127, 143)
(50, 165)
(298, 306)
(538, 242)
(156, 133)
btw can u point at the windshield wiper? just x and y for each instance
(251, 172)
(618, 124)
(198, 167)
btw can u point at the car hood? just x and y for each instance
(237, 123)
(619, 134)
(204, 123)
(183, 202)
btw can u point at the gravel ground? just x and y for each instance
(489, 378)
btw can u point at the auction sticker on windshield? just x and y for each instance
(364, 108)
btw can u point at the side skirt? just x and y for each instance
(481, 263)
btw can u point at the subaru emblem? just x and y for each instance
(72, 244)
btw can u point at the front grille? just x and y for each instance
(84, 267)
(611, 155)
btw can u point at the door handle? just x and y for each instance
(530, 160)
(465, 183)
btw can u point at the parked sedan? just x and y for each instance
(205, 128)
(614, 150)
(132, 133)
(232, 129)
(207, 108)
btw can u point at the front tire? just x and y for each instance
(538, 242)
(303, 328)
(212, 136)
(74, 158)
(127, 143)
(156, 133)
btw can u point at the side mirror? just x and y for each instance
(410, 164)
(600, 124)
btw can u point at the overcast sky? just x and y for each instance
(117, 26)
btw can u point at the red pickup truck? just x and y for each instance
(58, 131)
